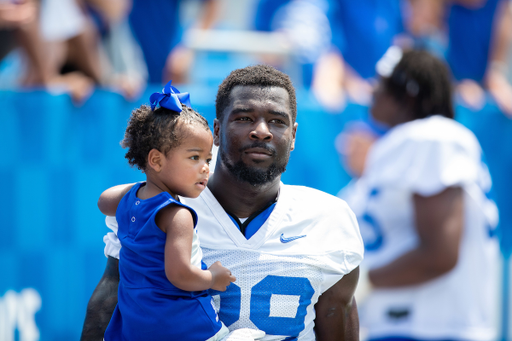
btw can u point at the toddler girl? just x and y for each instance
(163, 281)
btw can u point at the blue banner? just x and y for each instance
(57, 158)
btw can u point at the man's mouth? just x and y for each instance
(260, 152)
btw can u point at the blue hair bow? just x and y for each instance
(170, 98)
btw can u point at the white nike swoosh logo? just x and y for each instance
(289, 239)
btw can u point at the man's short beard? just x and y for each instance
(253, 176)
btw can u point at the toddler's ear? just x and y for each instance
(156, 160)
(216, 132)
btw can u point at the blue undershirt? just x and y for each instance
(250, 226)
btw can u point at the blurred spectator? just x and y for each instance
(71, 44)
(19, 26)
(494, 62)
(476, 37)
(353, 144)
(156, 26)
(55, 39)
(425, 20)
(424, 213)
(123, 66)
(304, 24)
(337, 42)
(362, 32)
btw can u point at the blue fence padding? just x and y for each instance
(58, 158)
(494, 131)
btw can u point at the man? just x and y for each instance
(295, 251)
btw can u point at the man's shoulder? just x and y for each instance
(312, 197)
(306, 191)
(329, 223)
(432, 129)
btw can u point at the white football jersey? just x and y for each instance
(426, 156)
(308, 243)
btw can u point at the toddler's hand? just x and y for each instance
(221, 276)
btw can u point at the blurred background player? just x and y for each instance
(426, 220)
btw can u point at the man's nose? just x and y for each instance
(261, 132)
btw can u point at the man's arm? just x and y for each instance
(102, 303)
(439, 222)
(336, 311)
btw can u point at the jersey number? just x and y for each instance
(372, 240)
(298, 289)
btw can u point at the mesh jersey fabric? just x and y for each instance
(309, 242)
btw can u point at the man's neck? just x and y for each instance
(241, 198)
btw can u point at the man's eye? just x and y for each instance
(278, 121)
(243, 119)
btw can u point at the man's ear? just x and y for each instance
(216, 132)
(294, 132)
(156, 160)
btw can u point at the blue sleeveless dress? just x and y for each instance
(149, 307)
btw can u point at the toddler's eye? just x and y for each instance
(195, 157)
(208, 161)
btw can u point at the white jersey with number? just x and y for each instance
(308, 243)
(425, 157)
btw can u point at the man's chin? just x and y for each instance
(255, 175)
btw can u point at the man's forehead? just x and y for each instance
(242, 93)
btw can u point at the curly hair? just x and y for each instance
(425, 78)
(259, 75)
(158, 129)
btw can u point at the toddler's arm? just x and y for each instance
(110, 198)
(178, 223)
